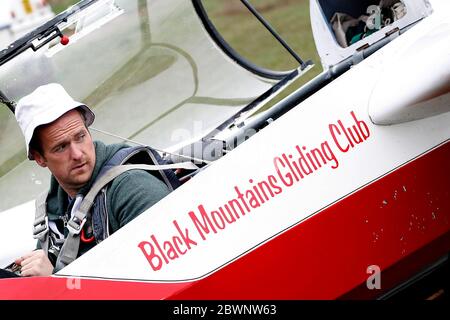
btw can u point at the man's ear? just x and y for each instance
(40, 160)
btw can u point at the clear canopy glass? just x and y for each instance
(148, 69)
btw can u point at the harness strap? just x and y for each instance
(40, 225)
(69, 250)
(112, 173)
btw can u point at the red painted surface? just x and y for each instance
(328, 254)
(387, 222)
(55, 288)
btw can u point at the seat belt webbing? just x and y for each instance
(40, 226)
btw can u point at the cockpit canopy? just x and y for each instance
(149, 69)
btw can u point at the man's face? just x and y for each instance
(67, 151)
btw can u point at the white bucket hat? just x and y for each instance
(44, 105)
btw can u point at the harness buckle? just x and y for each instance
(40, 228)
(75, 225)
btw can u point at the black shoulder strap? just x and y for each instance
(147, 156)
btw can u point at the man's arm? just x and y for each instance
(132, 193)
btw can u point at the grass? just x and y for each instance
(246, 35)
(243, 32)
(61, 5)
(290, 18)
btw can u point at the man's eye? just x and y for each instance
(60, 148)
(81, 136)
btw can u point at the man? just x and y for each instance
(57, 137)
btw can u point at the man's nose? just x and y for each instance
(75, 151)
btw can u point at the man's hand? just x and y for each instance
(34, 264)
